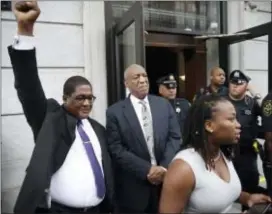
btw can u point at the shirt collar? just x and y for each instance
(134, 99)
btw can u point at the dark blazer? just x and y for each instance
(129, 150)
(54, 132)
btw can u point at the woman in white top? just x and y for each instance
(201, 178)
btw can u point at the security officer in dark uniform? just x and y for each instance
(267, 128)
(247, 111)
(168, 89)
(217, 77)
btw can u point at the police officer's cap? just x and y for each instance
(238, 77)
(168, 81)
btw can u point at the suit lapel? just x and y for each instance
(71, 123)
(133, 122)
(155, 119)
(98, 133)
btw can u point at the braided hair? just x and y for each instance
(194, 132)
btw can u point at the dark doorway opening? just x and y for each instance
(187, 64)
(160, 61)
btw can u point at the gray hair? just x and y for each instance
(131, 67)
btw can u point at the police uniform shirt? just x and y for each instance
(267, 113)
(247, 111)
(181, 107)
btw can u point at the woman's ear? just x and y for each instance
(208, 126)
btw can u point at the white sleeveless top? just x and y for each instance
(211, 194)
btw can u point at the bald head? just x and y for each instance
(136, 80)
(215, 70)
(217, 76)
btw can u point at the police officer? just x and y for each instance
(247, 111)
(217, 77)
(168, 89)
(267, 128)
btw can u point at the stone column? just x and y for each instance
(95, 55)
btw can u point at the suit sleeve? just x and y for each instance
(120, 155)
(28, 86)
(174, 139)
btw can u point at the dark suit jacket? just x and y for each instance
(129, 150)
(54, 132)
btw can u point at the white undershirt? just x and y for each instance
(211, 194)
(138, 110)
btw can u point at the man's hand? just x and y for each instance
(156, 175)
(26, 13)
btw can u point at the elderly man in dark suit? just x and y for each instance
(70, 169)
(143, 136)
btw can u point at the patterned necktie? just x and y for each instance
(148, 130)
(98, 175)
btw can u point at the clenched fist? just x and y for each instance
(26, 13)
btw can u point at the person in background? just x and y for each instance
(267, 128)
(168, 89)
(143, 137)
(70, 169)
(201, 177)
(248, 111)
(217, 78)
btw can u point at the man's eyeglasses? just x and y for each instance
(82, 98)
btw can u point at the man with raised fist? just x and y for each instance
(70, 168)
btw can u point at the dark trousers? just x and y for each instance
(268, 177)
(152, 206)
(58, 208)
(247, 170)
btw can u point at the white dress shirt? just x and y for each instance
(138, 110)
(74, 183)
(24, 42)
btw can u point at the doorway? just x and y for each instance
(160, 53)
(187, 64)
(160, 61)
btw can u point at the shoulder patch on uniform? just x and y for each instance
(267, 108)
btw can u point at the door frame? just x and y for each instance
(133, 15)
(110, 45)
(253, 32)
(113, 30)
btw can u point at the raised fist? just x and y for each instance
(26, 13)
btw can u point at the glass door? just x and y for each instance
(227, 40)
(129, 44)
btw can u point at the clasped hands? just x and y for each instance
(156, 175)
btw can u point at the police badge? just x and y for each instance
(267, 108)
(236, 74)
(171, 77)
(178, 110)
